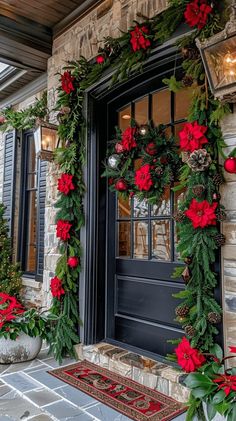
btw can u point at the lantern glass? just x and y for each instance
(45, 138)
(220, 62)
(49, 139)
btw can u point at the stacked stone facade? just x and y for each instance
(84, 38)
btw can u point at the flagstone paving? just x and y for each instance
(28, 392)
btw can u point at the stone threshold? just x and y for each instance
(156, 375)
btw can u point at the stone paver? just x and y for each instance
(29, 393)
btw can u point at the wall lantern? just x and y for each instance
(219, 57)
(46, 140)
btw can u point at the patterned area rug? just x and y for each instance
(124, 395)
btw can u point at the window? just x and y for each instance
(31, 209)
(143, 231)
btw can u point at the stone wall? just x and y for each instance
(228, 255)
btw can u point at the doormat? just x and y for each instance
(132, 399)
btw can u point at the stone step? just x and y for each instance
(156, 375)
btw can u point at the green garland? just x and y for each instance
(24, 119)
(154, 150)
(199, 313)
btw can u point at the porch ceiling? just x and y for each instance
(26, 34)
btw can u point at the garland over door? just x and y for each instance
(142, 239)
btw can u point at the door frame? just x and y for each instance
(163, 60)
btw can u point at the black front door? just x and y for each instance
(141, 240)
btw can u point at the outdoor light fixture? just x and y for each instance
(219, 58)
(46, 140)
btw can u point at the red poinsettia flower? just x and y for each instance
(197, 13)
(10, 308)
(67, 82)
(192, 136)
(190, 359)
(65, 184)
(232, 349)
(227, 383)
(138, 38)
(100, 59)
(202, 213)
(56, 287)
(63, 229)
(128, 140)
(143, 179)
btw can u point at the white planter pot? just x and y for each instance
(24, 348)
(217, 417)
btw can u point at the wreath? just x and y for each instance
(142, 161)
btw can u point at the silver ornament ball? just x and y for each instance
(113, 161)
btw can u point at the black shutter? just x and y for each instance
(9, 177)
(42, 170)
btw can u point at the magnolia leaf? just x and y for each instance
(197, 380)
(218, 397)
(217, 351)
(211, 411)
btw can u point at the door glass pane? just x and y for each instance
(140, 208)
(162, 208)
(141, 111)
(31, 232)
(161, 240)
(182, 103)
(140, 240)
(124, 208)
(161, 109)
(178, 128)
(125, 118)
(124, 235)
(178, 198)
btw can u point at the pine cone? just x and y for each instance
(179, 216)
(199, 160)
(219, 239)
(67, 143)
(159, 171)
(188, 260)
(220, 215)
(190, 331)
(187, 81)
(198, 190)
(190, 53)
(186, 275)
(218, 179)
(182, 310)
(214, 318)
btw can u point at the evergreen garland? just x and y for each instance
(24, 119)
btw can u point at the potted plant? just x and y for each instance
(212, 385)
(21, 329)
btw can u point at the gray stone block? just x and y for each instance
(63, 410)
(21, 382)
(75, 396)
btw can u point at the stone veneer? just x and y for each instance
(156, 375)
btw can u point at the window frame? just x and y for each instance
(23, 209)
